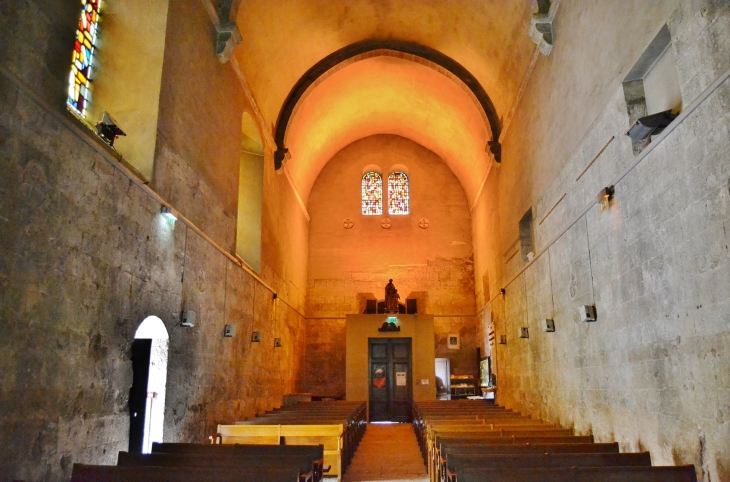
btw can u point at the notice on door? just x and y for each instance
(400, 379)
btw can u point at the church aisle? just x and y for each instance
(387, 452)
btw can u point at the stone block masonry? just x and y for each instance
(651, 372)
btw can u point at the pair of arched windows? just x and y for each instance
(372, 193)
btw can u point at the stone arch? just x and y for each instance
(152, 328)
(373, 48)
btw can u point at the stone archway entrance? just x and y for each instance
(149, 379)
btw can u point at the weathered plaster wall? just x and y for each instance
(199, 130)
(85, 256)
(652, 372)
(347, 266)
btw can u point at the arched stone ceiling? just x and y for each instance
(283, 39)
(373, 48)
(387, 95)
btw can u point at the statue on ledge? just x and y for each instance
(391, 298)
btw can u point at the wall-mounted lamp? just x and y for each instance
(188, 319)
(650, 125)
(167, 212)
(389, 324)
(276, 295)
(277, 342)
(255, 337)
(502, 291)
(588, 313)
(229, 331)
(549, 326)
(604, 197)
(502, 339)
(108, 129)
(523, 332)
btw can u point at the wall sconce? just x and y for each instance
(188, 319)
(588, 313)
(167, 212)
(255, 337)
(276, 295)
(549, 326)
(229, 331)
(604, 197)
(389, 325)
(108, 129)
(502, 291)
(277, 342)
(523, 332)
(502, 339)
(650, 125)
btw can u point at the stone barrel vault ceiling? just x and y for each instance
(283, 39)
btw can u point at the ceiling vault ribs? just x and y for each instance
(344, 54)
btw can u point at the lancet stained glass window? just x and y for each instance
(398, 199)
(372, 193)
(78, 80)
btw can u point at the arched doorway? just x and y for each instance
(147, 395)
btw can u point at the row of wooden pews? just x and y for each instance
(177, 462)
(336, 425)
(471, 440)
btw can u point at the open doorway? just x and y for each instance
(149, 379)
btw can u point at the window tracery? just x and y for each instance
(372, 193)
(78, 81)
(398, 196)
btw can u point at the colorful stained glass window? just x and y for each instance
(78, 80)
(372, 193)
(398, 198)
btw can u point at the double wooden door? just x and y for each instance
(391, 390)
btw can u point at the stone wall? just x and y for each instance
(85, 256)
(652, 372)
(348, 266)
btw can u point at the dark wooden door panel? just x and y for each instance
(391, 390)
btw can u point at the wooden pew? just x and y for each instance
(303, 463)
(684, 473)
(441, 440)
(456, 461)
(315, 451)
(329, 436)
(111, 473)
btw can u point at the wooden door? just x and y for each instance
(391, 389)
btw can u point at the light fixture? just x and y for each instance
(588, 313)
(255, 337)
(167, 212)
(549, 326)
(650, 125)
(277, 342)
(604, 197)
(502, 339)
(188, 319)
(229, 331)
(389, 325)
(523, 332)
(108, 129)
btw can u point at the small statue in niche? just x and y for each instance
(391, 298)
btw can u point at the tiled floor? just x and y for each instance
(387, 452)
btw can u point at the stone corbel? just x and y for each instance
(227, 37)
(541, 25)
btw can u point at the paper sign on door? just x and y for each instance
(400, 379)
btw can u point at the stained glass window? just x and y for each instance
(398, 193)
(78, 80)
(372, 193)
